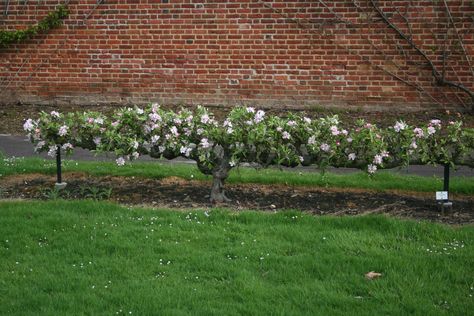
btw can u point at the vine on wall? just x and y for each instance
(52, 20)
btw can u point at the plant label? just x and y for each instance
(441, 195)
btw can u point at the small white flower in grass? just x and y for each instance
(230, 130)
(189, 119)
(55, 114)
(135, 155)
(115, 124)
(200, 131)
(227, 123)
(52, 151)
(139, 111)
(135, 145)
(232, 163)
(67, 146)
(371, 169)
(307, 120)
(344, 132)
(349, 140)
(99, 121)
(279, 129)
(431, 130)
(63, 130)
(384, 154)
(312, 140)
(155, 139)
(291, 123)
(161, 148)
(120, 161)
(29, 125)
(249, 122)
(177, 121)
(301, 158)
(325, 147)
(418, 132)
(250, 110)
(413, 145)
(351, 156)
(285, 135)
(399, 126)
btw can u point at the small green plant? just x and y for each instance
(54, 193)
(95, 193)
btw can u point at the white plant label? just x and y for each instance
(441, 195)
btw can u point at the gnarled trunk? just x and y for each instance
(219, 174)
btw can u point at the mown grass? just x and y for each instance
(383, 180)
(96, 258)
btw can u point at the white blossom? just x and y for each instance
(291, 123)
(285, 135)
(205, 119)
(351, 156)
(399, 126)
(154, 117)
(29, 125)
(334, 130)
(250, 110)
(431, 130)
(40, 145)
(55, 114)
(63, 130)
(259, 116)
(325, 147)
(377, 159)
(67, 146)
(120, 161)
(312, 140)
(205, 143)
(52, 151)
(371, 168)
(155, 139)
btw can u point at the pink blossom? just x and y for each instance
(418, 132)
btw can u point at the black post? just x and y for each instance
(58, 164)
(446, 178)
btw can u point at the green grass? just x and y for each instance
(89, 258)
(383, 180)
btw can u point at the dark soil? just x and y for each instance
(12, 117)
(178, 193)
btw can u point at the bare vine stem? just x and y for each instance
(440, 80)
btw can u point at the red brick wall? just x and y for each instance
(273, 53)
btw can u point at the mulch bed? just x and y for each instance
(178, 193)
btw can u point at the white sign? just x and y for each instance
(441, 195)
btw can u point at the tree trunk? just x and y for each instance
(219, 173)
(217, 191)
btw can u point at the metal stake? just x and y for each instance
(58, 164)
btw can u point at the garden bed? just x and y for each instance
(176, 192)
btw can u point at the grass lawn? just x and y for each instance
(382, 180)
(96, 258)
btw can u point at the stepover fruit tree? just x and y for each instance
(247, 135)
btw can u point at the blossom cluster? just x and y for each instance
(250, 135)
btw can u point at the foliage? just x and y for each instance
(52, 20)
(249, 136)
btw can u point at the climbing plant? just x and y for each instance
(52, 20)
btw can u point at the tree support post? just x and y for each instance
(59, 183)
(446, 204)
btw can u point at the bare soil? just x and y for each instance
(178, 193)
